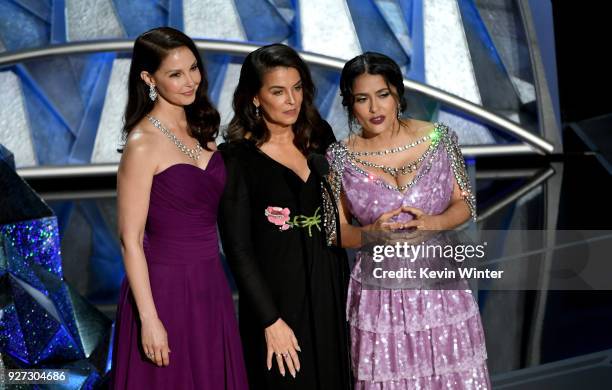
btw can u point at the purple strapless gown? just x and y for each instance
(410, 339)
(190, 290)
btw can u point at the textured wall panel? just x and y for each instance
(448, 65)
(337, 118)
(469, 133)
(224, 105)
(92, 19)
(327, 28)
(212, 19)
(24, 24)
(108, 138)
(447, 58)
(525, 90)
(14, 127)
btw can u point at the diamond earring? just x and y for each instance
(152, 92)
(257, 112)
(399, 111)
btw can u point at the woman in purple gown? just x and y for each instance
(175, 326)
(402, 174)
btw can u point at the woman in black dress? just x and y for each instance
(292, 285)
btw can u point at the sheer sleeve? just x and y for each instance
(331, 194)
(451, 142)
(235, 231)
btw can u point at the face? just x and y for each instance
(375, 106)
(280, 96)
(177, 77)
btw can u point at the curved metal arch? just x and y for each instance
(533, 142)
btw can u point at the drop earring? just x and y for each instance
(399, 111)
(257, 112)
(152, 92)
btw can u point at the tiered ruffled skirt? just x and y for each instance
(415, 339)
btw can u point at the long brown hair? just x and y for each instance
(309, 126)
(150, 49)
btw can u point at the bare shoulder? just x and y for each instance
(212, 145)
(141, 149)
(352, 142)
(421, 128)
(146, 137)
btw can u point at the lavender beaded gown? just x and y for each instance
(411, 339)
(190, 290)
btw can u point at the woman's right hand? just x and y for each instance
(383, 222)
(155, 341)
(281, 342)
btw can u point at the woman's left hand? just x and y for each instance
(421, 221)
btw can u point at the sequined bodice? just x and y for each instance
(369, 196)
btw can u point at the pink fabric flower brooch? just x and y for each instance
(278, 216)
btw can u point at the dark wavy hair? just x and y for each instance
(150, 49)
(374, 64)
(309, 126)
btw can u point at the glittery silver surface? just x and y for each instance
(92, 19)
(447, 59)
(108, 137)
(212, 19)
(14, 128)
(469, 133)
(1, 360)
(505, 27)
(327, 28)
(227, 92)
(391, 11)
(525, 90)
(448, 65)
(513, 116)
(337, 119)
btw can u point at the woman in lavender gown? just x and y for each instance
(402, 174)
(175, 326)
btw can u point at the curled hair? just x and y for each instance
(150, 49)
(373, 64)
(309, 126)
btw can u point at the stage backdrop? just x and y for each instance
(68, 109)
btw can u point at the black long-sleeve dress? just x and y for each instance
(284, 269)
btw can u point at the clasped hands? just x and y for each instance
(420, 221)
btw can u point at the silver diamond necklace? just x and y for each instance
(393, 171)
(405, 169)
(193, 154)
(392, 150)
